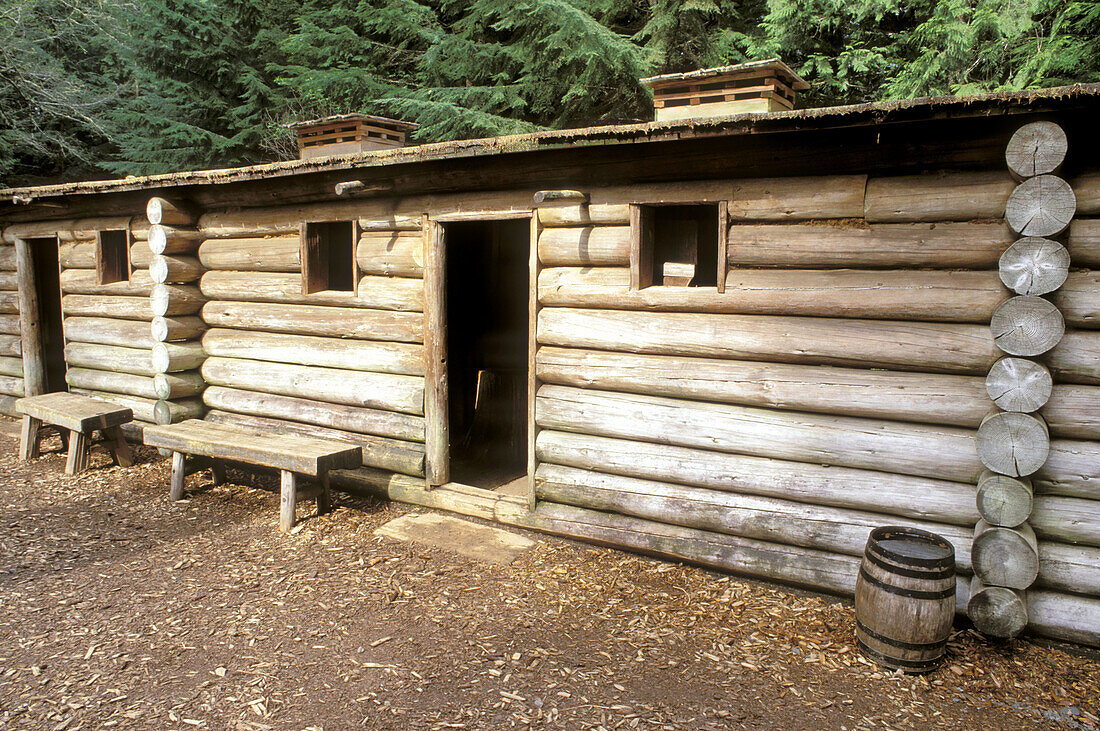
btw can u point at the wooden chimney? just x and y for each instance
(757, 86)
(346, 134)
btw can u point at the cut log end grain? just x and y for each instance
(996, 610)
(1004, 501)
(1034, 266)
(1041, 206)
(1005, 556)
(1019, 384)
(1027, 326)
(1037, 148)
(161, 211)
(1013, 444)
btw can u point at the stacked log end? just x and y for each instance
(11, 347)
(1014, 443)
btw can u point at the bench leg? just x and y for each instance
(120, 450)
(217, 472)
(179, 471)
(28, 438)
(288, 499)
(78, 453)
(324, 498)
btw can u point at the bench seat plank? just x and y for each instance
(74, 412)
(304, 455)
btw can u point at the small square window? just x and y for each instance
(112, 260)
(674, 245)
(328, 257)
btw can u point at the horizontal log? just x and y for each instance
(1076, 358)
(338, 322)
(391, 253)
(1005, 556)
(1066, 519)
(172, 300)
(600, 214)
(1063, 567)
(932, 347)
(875, 246)
(145, 409)
(798, 198)
(1087, 189)
(1064, 617)
(77, 255)
(335, 416)
(273, 221)
(380, 452)
(938, 197)
(173, 240)
(173, 412)
(111, 382)
(356, 355)
(66, 229)
(587, 246)
(9, 324)
(748, 516)
(9, 281)
(108, 331)
(1073, 412)
(381, 293)
(1079, 299)
(11, 386)
(83, 281)
(255, 255)
(916, 397)
(9, 303)
(940, 296)
(173, 386)
(109, 358)
(168, 329)
(391, 222)
(995, 610)
(140, 255)
(1041, 206)
(7, 258)
(174, 269)
(1072, 469)
(1084, 242)
(11, 366)
(389, 392)
(170, 213)
(174, 357)
(11, 346)
(939, 452)
(107, 306)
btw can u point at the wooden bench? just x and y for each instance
(81, 417)
(292, 455)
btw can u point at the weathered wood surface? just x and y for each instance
(168, 329)
(749, 516)
(173, 240)
(1087, 189)
(109, 358)
(9, 281)
(1064, 617)
(295, 453)
(938, 452)
(104, 305)
(172, 300)
(7, 258)
(585, 246)
(798, 198)
(169, 213)
(380, 452)
(280, 254)
(77, 255)
(10, 302)
(1005, 556)
(1019, 384)
(385, 391)
(83, 281)
(1083, 242)
(145, 409)
(335, 416)
(1079, 299)
(1027, 326)
(391, 222)
(338, 322)
(12, 386)
(1034, 266)
(174, 269)
(938, 197)
(171, 412)
(1073, 412)
(1002, 500)
(357, 355)
(1013, 444)
(942, 296)
(9, 324)
(140, 255)
(171, 386)
(1063, 567)
(1072, 469)
(395, 254)
(931, 347)
(1041, 206)
(996, 610)
(1037, 148)
(600, 214)
(11, 366)
(917, 397)
(1066, 519)
(89, 379)
(66, 229)
(382, 293)
(173, 357)
(30, 326)
(11, 345)
(437, 439)
(74, 412)
(1076, 358)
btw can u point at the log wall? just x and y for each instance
(11, 359)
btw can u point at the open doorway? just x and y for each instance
(47, 274)
(487, 294)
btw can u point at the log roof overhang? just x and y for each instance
(912, 134)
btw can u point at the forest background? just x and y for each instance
(102, 88)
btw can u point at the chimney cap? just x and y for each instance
(356, 117)
(796, 81)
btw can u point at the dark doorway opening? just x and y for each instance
(47, 276)
(487, 294)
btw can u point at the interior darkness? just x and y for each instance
(337, 238)
(689, 235)
(114, 257)
(487, 271)
(47, 284)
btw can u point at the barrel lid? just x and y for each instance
(912, 546)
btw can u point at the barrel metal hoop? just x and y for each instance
(909, 573)
(908, 593)
(887, 532)
(918, 666)
(900, 644)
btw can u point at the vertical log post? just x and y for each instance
(30, 322)
(436, 422)
(532, 350)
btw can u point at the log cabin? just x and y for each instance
(741, 339)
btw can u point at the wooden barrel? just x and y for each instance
(905, 598)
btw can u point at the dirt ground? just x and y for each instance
(118, 609)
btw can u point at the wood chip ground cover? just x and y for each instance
(120, 610)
